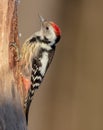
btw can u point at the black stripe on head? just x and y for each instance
(57, 39)
(44, 40)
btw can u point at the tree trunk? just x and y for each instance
(11, 111)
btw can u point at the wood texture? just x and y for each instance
(11, 111)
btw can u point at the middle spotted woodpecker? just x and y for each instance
(37, 53)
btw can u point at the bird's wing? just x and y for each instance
(36, 79)
(27, 52)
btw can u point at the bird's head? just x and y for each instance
(50, 31)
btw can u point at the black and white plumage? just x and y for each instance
(37, 53)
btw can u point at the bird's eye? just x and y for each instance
(47, 28)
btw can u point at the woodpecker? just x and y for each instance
(37, 53)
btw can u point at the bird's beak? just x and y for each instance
(41, 19)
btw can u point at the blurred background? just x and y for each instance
(71, 95)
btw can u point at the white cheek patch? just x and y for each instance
(44, 61)
(45, 46)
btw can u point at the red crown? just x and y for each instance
(56, 28)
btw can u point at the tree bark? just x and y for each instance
(11, 111)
